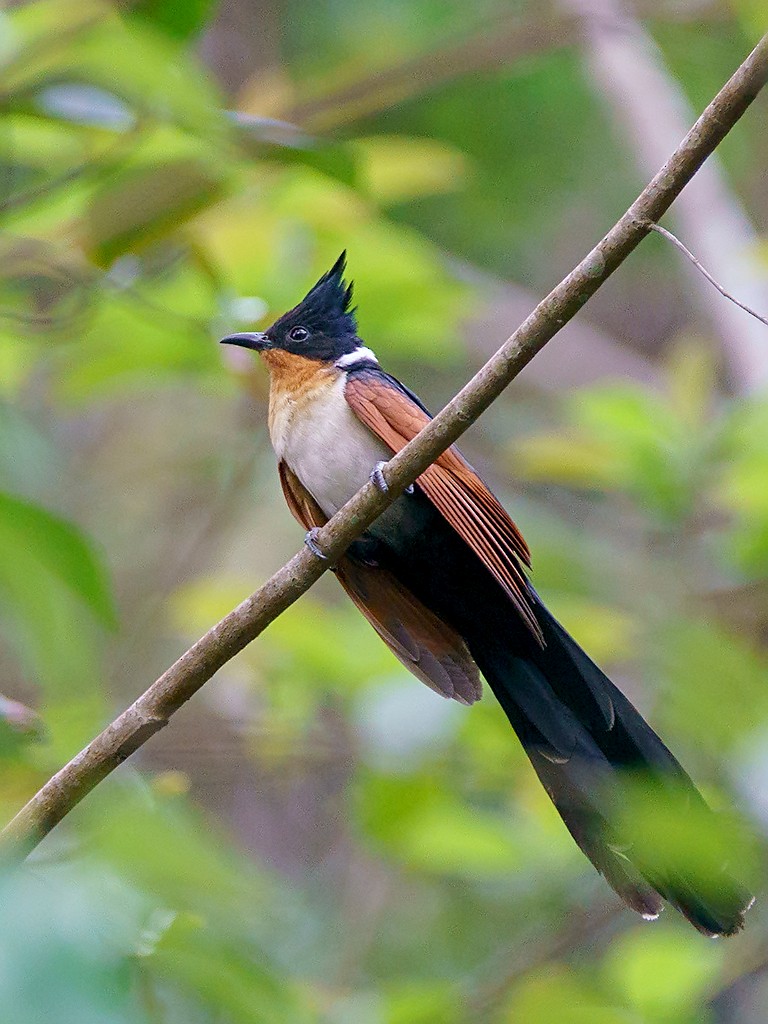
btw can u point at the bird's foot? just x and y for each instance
(377, 477)
(310, 540)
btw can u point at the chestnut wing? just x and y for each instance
(450, 483)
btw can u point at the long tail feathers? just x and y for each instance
(595, 755)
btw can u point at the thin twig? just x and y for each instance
(703, 270)
(651, 111)
(167, 694)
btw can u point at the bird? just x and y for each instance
(443, 576)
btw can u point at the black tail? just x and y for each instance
(599, 760)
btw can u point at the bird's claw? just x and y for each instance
(377, 477)
(310, 540)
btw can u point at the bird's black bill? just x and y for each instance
(255, 340)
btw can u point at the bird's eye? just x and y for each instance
(298, 334)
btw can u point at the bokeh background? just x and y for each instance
(317, 838)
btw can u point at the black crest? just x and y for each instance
(328, 306)
(323, 325)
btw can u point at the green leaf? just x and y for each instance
(56, 547)
(751, 15)
(224, 976)
(557, 993)
(64, 936)
(141, 204)
(28, 140)
(664, 972)
(739, 487)
(396, 168)
(699, 661)
(423, 1002)
(219, 921)
(279, 142)
(570, 459)
(49, 580)
(626, 413)
(130, 341)
(180, 19)
(188, 867)
(628, 439)
(431, 828)
(128, 58)
(691, 382)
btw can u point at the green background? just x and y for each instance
(317, 838)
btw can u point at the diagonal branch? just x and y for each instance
(154, 708)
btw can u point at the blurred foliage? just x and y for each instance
(318, 838)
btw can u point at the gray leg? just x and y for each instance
(311, 541)
(377, 477)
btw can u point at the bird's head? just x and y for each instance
(321, 327)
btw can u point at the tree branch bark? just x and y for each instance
(164, 697)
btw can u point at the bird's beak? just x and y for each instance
(255, 340)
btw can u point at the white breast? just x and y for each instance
(324, 443)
